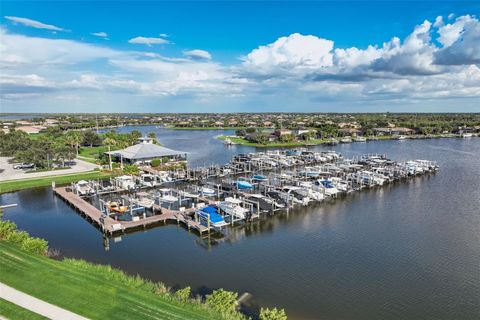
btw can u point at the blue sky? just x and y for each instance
(240, 56)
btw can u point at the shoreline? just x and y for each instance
(315, 142)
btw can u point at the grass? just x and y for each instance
(92, 152)
(13, 312)
(93, 291)
(14, 185)
(46, 169)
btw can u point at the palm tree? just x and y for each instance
(109, 142)
(74, 138)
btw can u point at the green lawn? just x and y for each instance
(14, 185)
(96, 295)
(92, 152)
(13, 312)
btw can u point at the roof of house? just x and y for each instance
(145, 151)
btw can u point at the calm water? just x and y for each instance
(406, 251)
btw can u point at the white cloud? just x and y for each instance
(198, 54)
(33, 23)
(294, 51)
(435, 61)
(461, 42)
(148, 41)
(100, 34)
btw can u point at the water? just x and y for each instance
(405, 251)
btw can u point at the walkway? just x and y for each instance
(36, 305)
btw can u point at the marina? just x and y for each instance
(208, 199)
(364, 246)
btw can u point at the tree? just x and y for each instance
(74, 138)
(62, 153)
(131, 169)
(152, 135)
(136, 134)
(272, 314)
(251, 130)
(222, 301)
(90, 138)
(240, 133)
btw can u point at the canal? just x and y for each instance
(404, 251)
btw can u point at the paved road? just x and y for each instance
(11, 174)
(36, 305)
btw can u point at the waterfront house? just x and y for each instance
(282, 132)
(350, 132)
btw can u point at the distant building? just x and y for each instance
(350, 132)
(282, 132)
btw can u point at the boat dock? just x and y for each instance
(111, 226)
(249, 186)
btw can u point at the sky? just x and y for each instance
(248, 56)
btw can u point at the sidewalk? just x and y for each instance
(36, 305)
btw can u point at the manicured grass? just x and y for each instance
(14, 185)
(92, 152)
(13, 312)
(91, 291)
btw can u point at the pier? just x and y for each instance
(251, 185)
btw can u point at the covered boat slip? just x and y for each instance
(145, 152)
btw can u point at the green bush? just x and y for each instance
(183, 294)
(17, 237)
(223, 301)
(35, 245)
(6, 228)
(155, 162)
(272, 314)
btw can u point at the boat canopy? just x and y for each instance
(214, 216)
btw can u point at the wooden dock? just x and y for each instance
(111, 226)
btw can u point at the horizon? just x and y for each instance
(308, 57)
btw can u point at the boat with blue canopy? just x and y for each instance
(211, 213)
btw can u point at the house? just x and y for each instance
(350, 132)
(401, 131)
(282, 132)
(299, 132)
(392, 131)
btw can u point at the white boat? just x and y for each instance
(340, 184)
(84, 188)
(125, 182)
(144, 202)
(346, 140)
(166, 195)
(401, 138)
(147, 180)
(207, 191)
(329, 189)
(360, 139)
(231, 206)
(467, 135)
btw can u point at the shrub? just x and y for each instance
(17, 237)
(222, 301)
(131, 169)
(6, 228)
(35, 245)
(155, 162)
(272, 314)
(183, 294)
